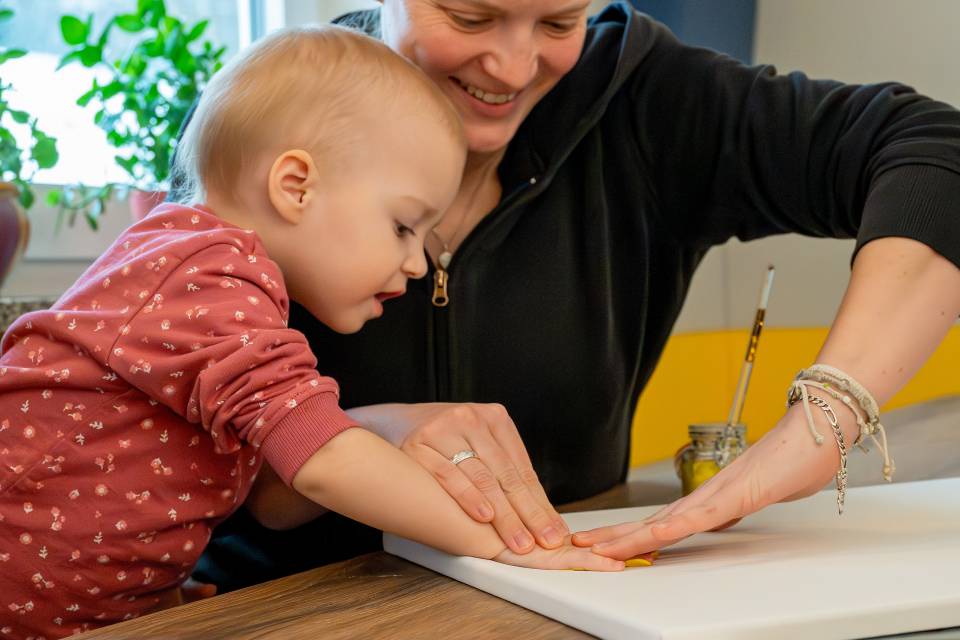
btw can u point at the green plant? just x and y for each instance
(74, 199)
(149, 90)
(19, 165)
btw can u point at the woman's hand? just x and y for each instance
(785, 464)
(498, 486)
(902, 300)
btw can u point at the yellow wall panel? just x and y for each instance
(697, 376)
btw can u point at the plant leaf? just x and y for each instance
(67, 59)
(110, 90)
(45, 152)
(26, 195)
(130, 22)
(197, 30)
(91, 55)
(185, 62)
(54, 197)
(85, 99)
(19, 116)
(155, 47)
(74, 30)
(102, 40)
(10, 54)
(5, 14)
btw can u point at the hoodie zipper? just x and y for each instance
(441, 316)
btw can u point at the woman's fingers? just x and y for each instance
(505, 432)
(605, 534)
(475, 488)
(501, 473)
(702, 494)
(712, 514)
(520, 496)
(505, 519)
(453, 481)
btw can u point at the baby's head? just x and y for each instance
(338, 152)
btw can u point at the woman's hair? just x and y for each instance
(301, 87)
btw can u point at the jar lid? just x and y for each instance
(712, 429)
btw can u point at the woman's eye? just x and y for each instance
(561, 27)
(469, 22)
(403, 230)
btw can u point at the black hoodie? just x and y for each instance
(644, 156)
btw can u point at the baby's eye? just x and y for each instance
(403, 230)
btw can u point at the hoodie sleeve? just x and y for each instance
(212, 345)
(742, 151)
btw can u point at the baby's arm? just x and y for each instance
(363, 477)
(276, 506)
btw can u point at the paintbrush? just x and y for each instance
(736, 411)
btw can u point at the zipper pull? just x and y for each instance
(440, 298)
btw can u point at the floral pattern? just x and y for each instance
(135, 414)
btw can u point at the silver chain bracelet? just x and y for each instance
(838, 434)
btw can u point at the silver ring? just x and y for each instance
(460, 456)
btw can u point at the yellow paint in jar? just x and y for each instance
(712, 446)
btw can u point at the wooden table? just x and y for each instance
(373, 596)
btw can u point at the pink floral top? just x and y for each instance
(135, 414)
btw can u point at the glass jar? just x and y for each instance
(712, 446)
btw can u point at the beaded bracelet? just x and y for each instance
(844, 388)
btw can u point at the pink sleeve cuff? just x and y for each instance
(301, 433)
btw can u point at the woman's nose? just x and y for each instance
(514, 60)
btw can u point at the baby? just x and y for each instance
(137, 412)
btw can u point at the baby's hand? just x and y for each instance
(566, 556)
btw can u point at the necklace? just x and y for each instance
(441, 276)
(446, 256)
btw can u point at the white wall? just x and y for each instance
(865, 41)
(301, 11)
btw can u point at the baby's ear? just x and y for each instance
(291, 184)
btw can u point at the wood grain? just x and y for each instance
(372, 596)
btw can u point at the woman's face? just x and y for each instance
(495, 59)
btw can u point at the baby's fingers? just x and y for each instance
(579, 559)
(565, 557)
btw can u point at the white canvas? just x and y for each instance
(890, 564)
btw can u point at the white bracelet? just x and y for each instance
(846, 389)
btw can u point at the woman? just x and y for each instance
(606, 159)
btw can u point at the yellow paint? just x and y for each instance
(637, 562)
(697, 376)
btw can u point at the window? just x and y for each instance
(85, 154)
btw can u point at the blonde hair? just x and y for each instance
(300, 87)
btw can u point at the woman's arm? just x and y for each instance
(363, 477)
(902, 300)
